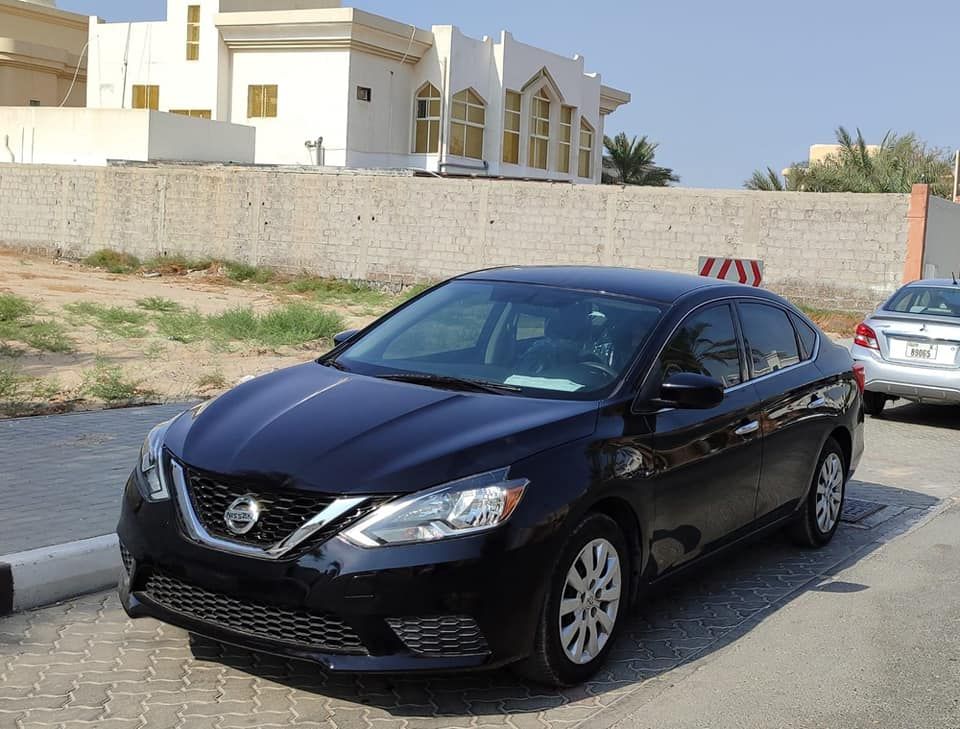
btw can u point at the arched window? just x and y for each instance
(566, 139)
(467, 122)
(427, 120)
(539, 130)
(585, 168)
(511, 128)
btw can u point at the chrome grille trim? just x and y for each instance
(196, 531)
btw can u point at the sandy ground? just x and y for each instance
(168, 369)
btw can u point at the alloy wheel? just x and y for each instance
(829, 492)
(590, 601)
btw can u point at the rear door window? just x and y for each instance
(705, 344)
(769, 337)
(807, 335)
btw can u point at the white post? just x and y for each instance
(956, 177)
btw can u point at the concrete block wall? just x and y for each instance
(831, 250)
(941, 244)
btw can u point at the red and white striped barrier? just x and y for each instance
(741, 270)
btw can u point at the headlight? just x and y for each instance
(470, 505)
(150, 466)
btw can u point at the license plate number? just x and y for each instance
(921, 351)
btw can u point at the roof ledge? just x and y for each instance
(612, 99)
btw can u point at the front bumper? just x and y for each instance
(465, 603)
(912, 382)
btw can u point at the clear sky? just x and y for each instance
(724, 87)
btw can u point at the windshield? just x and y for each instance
(539, 340)
(926, 300)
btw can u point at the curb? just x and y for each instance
(43, 576)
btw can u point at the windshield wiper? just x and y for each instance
(332, 363)
(423, 378)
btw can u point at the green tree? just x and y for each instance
(895, 165)
(631, 162)
(768, 180)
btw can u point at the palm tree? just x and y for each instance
(895, 165)
(631, 162)
(769, 181)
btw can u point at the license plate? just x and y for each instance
(916, 350)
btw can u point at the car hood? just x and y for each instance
(315, 427)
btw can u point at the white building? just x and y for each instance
(337, 86)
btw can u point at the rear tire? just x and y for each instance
(585, 605)
(873, 403)
(820, 516)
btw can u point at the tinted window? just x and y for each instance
(807, 334)
(770, 339)
(935, 300)
(550, 342)
(450, 329)
(705, 344)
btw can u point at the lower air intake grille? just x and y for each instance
(450, 635)
(127, 559)
(293, 627)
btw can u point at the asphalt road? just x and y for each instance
(78, 460)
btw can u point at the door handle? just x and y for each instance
(752, 427)
(817, 403)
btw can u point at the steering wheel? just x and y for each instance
(535, 360)
(599, 366)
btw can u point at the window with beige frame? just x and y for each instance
(539, 138)
(262, 101)
(426, 113)
(467, 122)
(566, 139)
(195, 113)
(511, 128)
(585, 166)
(146, 97)
(193, 32)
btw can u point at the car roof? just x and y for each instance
(663, 286)
(936, 282)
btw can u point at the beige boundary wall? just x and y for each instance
(831, 250)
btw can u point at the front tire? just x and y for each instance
(820, 517)
(873, 403)
(585, 605)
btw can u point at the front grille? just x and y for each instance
(448, 635)
(282, 512)
(294, 627)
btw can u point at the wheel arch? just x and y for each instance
(623, 512)
(845, 440)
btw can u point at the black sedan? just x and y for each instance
(493, 473)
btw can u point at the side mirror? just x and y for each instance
(689, 391)
(343, 336)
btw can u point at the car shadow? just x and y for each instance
(935, 416)
(691, 616)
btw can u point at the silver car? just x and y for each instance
(910, 346)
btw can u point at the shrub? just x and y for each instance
(107, 382)
(113, 261)
(13, 307)
(159, 303)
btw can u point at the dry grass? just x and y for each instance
(833, 321)
(74, 336)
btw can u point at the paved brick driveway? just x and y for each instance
(83, 664)
(84, 661)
